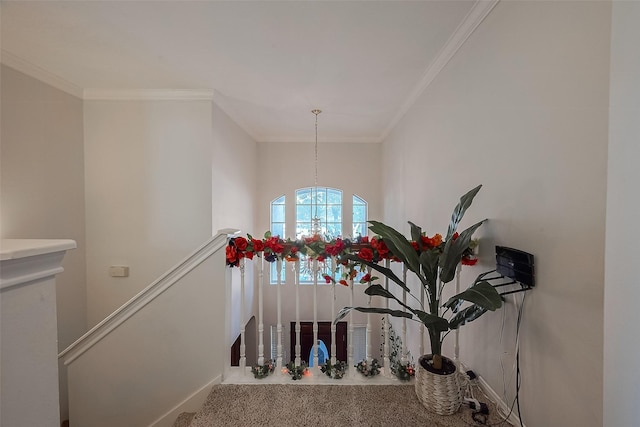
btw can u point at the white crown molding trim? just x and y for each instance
(471, 21)
(32, 70)
(329, 140)
(147, 95)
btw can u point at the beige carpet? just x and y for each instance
(322, 405)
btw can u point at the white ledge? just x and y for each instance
(21, 248)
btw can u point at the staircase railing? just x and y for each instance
(155, 351)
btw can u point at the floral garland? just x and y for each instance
(297, 372)
(368, 370)
(335, 371)
(263, 371)
(274, 248)
(404, 371)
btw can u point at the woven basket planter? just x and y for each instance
(442, 394)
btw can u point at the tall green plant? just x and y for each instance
(434, 267)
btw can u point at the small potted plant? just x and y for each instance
(433, 260)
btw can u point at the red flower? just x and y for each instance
(248, 254)
(366, 278)
(415, 245)
(232, 255)
(469, 261)
(455, 235)
(364, 239)
(241, 243)
(343, 282)
(258, 245)
(366, 254)
(320, 258)
(274, 244)
(294, 250)
(328, 278)
(381, 247)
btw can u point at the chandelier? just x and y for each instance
(315, 220)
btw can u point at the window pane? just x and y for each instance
(334, 213)
(359, 229)
(334, 196)
(321, 196)
(303, 213)
(277, 229)
(359, 213)
(303, 196)
(277, 213)
(320, 211)
(334, 230)
(278, 201)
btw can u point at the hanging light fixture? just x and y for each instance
(315, 220)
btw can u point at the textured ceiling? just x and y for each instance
(269, 63)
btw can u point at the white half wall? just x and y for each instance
(148, 192)
(522, 109)
(42, 188)
(621, 346)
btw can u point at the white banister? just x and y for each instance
(352, 372)
(260, 310)
(315, 313)
(298, 360)
(279, 314)
(369, 357)
(386, 361)
(243, 356)
(334, 268)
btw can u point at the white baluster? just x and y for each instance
(456, 347)
(315, 313)
(369, 355)
(352, 371)
(243, 358)
(386, 360)
(403, 356)
(260, 311)
(298, 360)
(279, 314)
(333, 312)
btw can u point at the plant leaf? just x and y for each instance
(460, 209)
(431, 321)
(416, 233)
(465, 316)
(429, 262)
(482, 294)
(399, 246)
(395, 313)
(377, 290)
(453, 251)
(384, 270)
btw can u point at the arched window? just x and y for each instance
(323, 203)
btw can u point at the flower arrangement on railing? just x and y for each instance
(404, 371)
(297, 371)
(368, 369)
(335, 371)
(263, 371)
(274, 248)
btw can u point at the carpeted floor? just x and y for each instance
(322, 405)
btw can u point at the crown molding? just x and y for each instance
(471, 21)
(147, 95)
(38, 73)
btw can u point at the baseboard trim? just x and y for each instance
(513, 419)
(192, 403)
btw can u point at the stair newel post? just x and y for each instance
(352, 372)
(298, 360)
(260, 311)
(369, 352)
(315, 313)
(279, 316)
(333, 311)
(403, 356)
(385, 330)
(243, 358)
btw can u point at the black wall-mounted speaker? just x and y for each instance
(516, 265)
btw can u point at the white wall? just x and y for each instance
(42, 193)
(148, 192)
(621, 346)
(522, 109)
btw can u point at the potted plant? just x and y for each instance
(433, 261)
